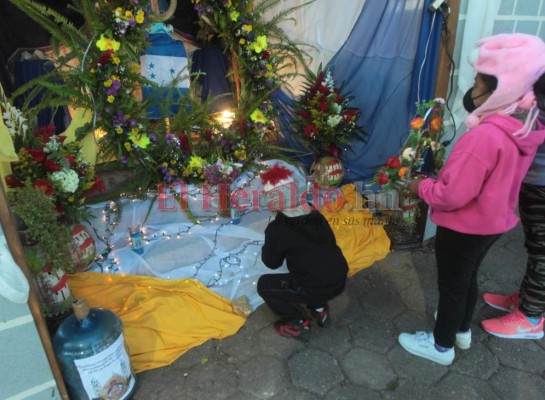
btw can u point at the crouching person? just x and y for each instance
(302, 237)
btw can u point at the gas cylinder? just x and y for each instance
(90, 348)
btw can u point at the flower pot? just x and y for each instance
(53, 291)
(82, 247)
(328, 172)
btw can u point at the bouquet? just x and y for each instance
(422, 154)
(323, 115)
(50, 165)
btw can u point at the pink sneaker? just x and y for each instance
(513, 326)
(502, 302)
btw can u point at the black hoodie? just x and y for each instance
(308, 245)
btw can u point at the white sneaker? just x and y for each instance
(463, 339)
(422, 344)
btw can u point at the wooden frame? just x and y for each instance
(444, 63)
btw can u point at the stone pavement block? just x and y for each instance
(478, 362)
(383, 305)
(271, 343)
(159, 384)
(263, 376)
(420, 299)
(523, 355)
(240, 347)
(408, 390)
(296, 394)
(412, 321)
(335, 341)
(515, 385)
(243, 396)
(195, 356)
(367, 368)
(213, 380)
(462, 387)
(418, 369)
(372, 333)
(315, 371)
(260, 318)
(352, 392)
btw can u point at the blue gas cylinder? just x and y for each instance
(90, 348)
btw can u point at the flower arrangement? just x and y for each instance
(323, 115)
(422, 153)
(49, 164)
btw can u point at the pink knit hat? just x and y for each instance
(517, 60)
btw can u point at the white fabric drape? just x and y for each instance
(323, 25)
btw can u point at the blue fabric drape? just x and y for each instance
(380, 65)
(425, 71)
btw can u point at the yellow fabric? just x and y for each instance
(89, 148)
(7, 152)
(361, 239)
(162, 319)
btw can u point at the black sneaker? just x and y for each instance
(297, 330)
(321, 317)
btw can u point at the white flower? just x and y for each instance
(336, 108)
(408, 154)
(67, 179)
(14, 119)
(52, 145)
(334, 120)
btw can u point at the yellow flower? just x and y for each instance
(242, 41)
(105, 43)
(247, 28)
(127, 146)
(260, 43)
(118, 11)
(108, 83)
(110, 99)
(116, 60)
(119, 130)
(128, 14)
(196, 162)
(141, 141)
(234, 15)
(258, 116)
(139, 17)
(134, 130)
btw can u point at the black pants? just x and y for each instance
(532, 216)
(282, 294)
(458, 256)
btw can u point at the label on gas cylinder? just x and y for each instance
(107, 374)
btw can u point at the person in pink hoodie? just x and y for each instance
(473, 199)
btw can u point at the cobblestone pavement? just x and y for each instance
(358, 356)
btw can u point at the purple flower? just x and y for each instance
(152, 137)
(123, 160)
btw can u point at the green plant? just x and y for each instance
(40, 216)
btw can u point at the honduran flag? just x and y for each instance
(164, 63)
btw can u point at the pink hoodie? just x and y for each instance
(477, 190)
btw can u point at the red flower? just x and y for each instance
(323, 106)
(184, 142)
(71, 160)
(12, 181)
(350, 115)
(44, 185)
(265, 54)
(339, 99)
(208, 135)
(333, 150)
(98, 186)
(304, 114)
(383, 178)
(51, 166)
(61, 138)
(324, 90)
(37, 155)
(393, 162)
(311, 131)
(44, 133)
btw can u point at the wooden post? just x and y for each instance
(17, 251)
(444, 63)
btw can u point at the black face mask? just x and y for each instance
(469, 102)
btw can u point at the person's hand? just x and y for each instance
(412, 187)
